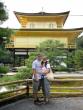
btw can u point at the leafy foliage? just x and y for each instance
(78, 59)
(5, 34)
(5, 56)
(51, 44)
(80, 42)
(26, 72)
(53, 49)
(23, 73)
(3, 13)
(70, 59)
(4, 69)
(75, 60)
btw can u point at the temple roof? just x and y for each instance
(59, 18)
(41, 14)
(50, 32)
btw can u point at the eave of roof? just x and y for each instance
(73, 29)
(41, 14)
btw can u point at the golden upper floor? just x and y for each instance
(42, 20)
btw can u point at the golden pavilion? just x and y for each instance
(38, 27)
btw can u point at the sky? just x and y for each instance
(74, 20)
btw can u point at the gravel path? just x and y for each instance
(74, 103)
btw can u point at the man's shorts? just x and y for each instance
(35, 85)
(42, 84)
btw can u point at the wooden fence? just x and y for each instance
(59, 87)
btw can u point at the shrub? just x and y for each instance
(23, 73)
(4, 69)
(7, 79)
(60, 68)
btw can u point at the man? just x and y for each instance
(38, 79)
(36, 68)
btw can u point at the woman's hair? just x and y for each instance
(44, 63)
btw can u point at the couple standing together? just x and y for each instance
(40, 68)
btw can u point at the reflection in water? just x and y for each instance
(3, 89)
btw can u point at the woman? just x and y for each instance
(44, 83)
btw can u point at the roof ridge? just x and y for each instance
(42, 13)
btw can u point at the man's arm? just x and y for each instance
(34, 71)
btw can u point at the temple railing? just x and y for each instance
(72, 45)
(9, 45)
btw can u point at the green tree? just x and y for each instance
(5, 56)
(70, 60)
(78, 59)
(54, 51)
(80, 42)
(5, 34)
(3, 13)
(3, 17)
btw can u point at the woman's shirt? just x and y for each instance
(44, 68)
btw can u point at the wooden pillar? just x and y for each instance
(14, 57)
(27, 87)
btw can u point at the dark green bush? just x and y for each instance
(4, 69)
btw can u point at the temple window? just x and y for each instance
(41, 25)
